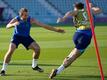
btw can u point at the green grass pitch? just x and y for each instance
(54, 48)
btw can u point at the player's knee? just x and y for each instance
(37, 49)
(10, 51)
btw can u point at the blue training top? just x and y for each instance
(23, 28)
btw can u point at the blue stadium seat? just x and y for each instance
(36, 10)
(39, 11)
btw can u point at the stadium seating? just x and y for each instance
(42, 13)
(61, 5)
(102, 4)
(36, 10)
(66, 5)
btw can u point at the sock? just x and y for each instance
(4, 67)
(34, 63)
(60, 69)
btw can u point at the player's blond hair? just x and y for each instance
(22, 10)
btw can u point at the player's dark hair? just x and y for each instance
(79, 5)
(22, 10)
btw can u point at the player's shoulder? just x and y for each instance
(74, 12)
(71, 13)
(29, 17)
(17, 17)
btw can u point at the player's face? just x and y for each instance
(24, 15)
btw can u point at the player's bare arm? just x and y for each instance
(95, 10)
(68, 14)
(12, 23)
(47, 26)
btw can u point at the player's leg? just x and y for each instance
(7, 58)
(36, 52)
(29, 43)
(75, 53)
(81, 41)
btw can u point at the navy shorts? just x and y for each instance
(81, 40)
(25, 41)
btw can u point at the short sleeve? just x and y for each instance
(17, 18)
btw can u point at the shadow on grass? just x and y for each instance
(81, 77)
(20, 75)
(23, 64)
(60, 77)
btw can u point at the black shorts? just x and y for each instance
(25, 41)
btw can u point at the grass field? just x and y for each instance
(54, 48)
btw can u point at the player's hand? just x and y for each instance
(60, 30)
(10, 25)
(59, 20)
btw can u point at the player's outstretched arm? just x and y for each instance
(95, 10)
(68, 14)
(12, 23)
(47, 26)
